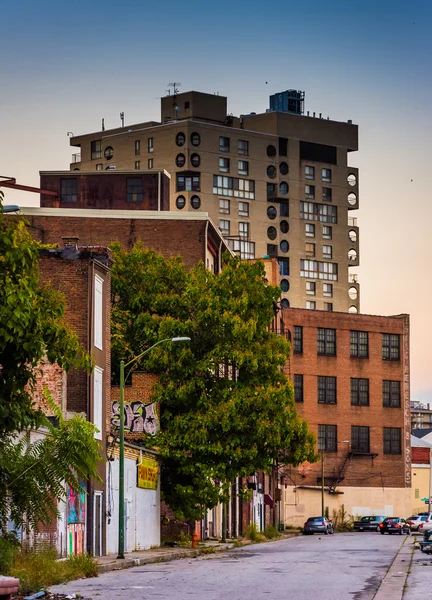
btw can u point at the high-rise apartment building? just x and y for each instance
(277, 184)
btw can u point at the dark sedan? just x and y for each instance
(394, 525)
(368, 523)
(318, 525)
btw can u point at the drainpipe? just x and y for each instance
(205, 243)
(159, 191)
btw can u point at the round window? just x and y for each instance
(195, 202)
(195, 160)
(352, 293)
(109, 152)
(353, 310)
(271, 172)
(284, 303)
(352, 255)
(352, 199)
(352, 179)
(180, 139)
(271, 151)
(283, 188)
(180, 202)
(284, 285)
(180, 160)
(271, 212)
(195, 139)
(284, 246)
(271, 233)
(284, 226)
(283, 168)
(352, 234)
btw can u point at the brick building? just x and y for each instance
(83, 275)
(351, 383)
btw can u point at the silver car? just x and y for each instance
(415, 521)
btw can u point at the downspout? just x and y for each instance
(206, 243)
(90, 498)
(159, 190)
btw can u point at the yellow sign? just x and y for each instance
(148, 474)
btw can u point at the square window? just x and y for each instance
(188, 183)
(298, 388)
(224, 165)
(243, 230)
(390, 346)
(271, 191)
(327, 438)
(243, 147)
(243, 209)
(327, 390)
(309, 230)
(224, 226)
(310, 305)
(298, 339)
(359, 392)
(326, 175)
(96, 149)
(283, 209)
(327, 232)
(99, 167)
(392, 440)
(327, 290)
(224, 144)
(360, 439)
(327, 252)
(328, 306)
(134, 189)
(310, 288)
(326, 342)
(284, 266)
(359, 344)
(150, 145)
(150, 163)
(186, 105)
(309, 172)
(327, 194)
(243, 167)
(309, 249)
(310, 192)
(391, 394)
(137, 165)
(224, 206)
(69, 190)
(137, 147)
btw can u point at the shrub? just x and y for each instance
(8, 548)
(253, 534)
(184, 539)
(271, 532)
(342, 521)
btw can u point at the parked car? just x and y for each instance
(424, 526)
(415, 521)
(368, 523)
(394, 525)
(318, 525)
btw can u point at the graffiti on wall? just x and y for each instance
(76, 505)
(138, 417)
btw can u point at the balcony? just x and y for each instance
(352, 278)
(352, 221)
(76, 158)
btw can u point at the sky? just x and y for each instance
(66, 65)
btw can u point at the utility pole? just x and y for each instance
(322, 483)
(430, 478)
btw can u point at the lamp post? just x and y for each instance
(122, 452)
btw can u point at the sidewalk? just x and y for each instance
(163, 554)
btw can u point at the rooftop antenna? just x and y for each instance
(122, 118)
(103, 124)
(174, 87)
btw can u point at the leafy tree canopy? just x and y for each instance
(227, 408)
(31, 327)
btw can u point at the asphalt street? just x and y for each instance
(419, 581)
(344, 566)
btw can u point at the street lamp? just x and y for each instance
(122, 453)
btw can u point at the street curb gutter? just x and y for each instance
(393, 585)
(127, 563)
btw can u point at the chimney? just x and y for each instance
(70, 241)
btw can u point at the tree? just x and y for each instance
(31, 327)
(227, 408)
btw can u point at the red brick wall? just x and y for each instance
(385, 469)
(53, 378)
(420, 455)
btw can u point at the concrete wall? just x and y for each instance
(420, 487)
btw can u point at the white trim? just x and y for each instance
(98, 401)
(98, 312)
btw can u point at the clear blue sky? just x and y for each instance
(66, 65)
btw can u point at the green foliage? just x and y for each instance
(33, 475)
(184, 539)
(342, 521)
(253, 534)
(40, 569)
(213, 427)
(31, 327)
(8, 548)
(271, 532)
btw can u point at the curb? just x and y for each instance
(393, 585)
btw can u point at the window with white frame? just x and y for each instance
(328, 271)
(309, 172)
(310, 288)
(307, 211)
(137, 147)
(224, 144)
(98, 402)
(309, 268)
(309, 230)
(311, 304)
(327, 232)
(245, 249)
(327, 252)
(224, 226)
(137, 165)
(243, 230)
(326, 175)
(234, 186)
(98, 312)
(150, 145)
(243, 167)
(310, 192)
(224, 206)
(327, 214)
(243, 209)
(224, 164)
(327, 290)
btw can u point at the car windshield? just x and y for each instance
(413, 518)
(393, 520)
(366, 519)
(316, 520)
